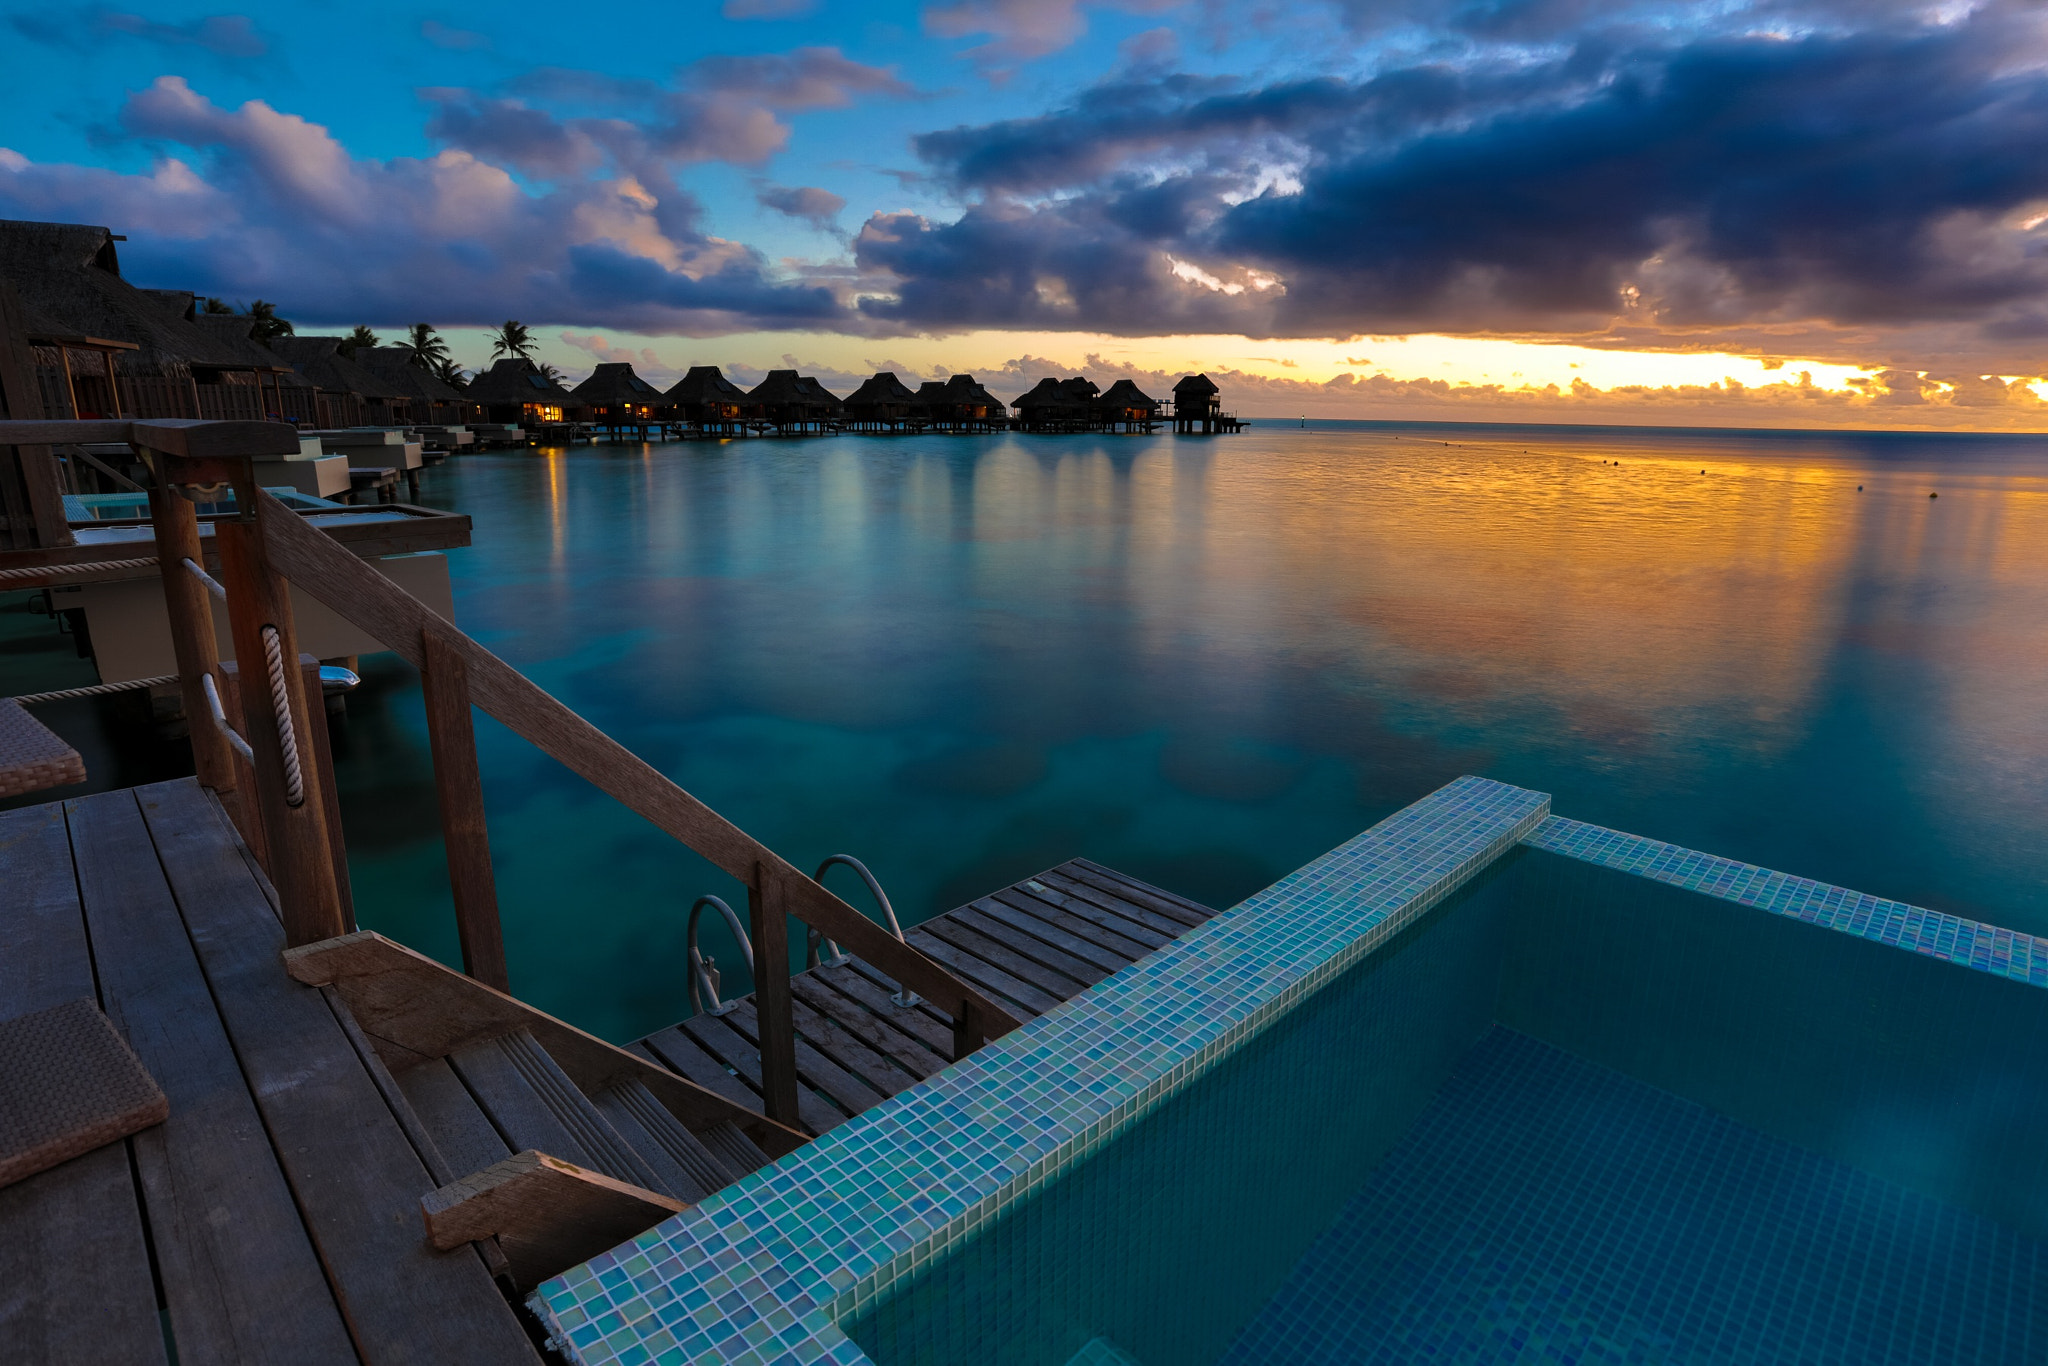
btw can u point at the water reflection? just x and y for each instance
(1206, 661)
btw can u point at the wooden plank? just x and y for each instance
(1137, 893)
(954, 931)
(300, 855)
(874, 989)
(1077, 937)
(409, 999)
(188, 437)
(728, 1046)
(768, 926)
(1082, 899)
(683, 1055)
(1025, 944)
(240, 1277)
(390, 614)
(74, 1271)
(459, 787)
(1126, 938)
(989, 977)
(523, 1118)
(1202, 914)
(356, 1179)
(818, 1072)
(465, 1135)
(193, 643)
(857, 1019)
(547, 1214)
(846, 1050)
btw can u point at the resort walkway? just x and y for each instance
(1031, 945)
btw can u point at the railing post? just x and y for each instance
(769, 926)
(176, 524)
(451, 733)
(323, 758)
(276, 721)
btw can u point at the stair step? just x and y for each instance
(533, 1104)
(464, 1134)
(691, 1171)
(734, 1148)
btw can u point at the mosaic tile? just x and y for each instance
(1967, 943)
(852, 1213)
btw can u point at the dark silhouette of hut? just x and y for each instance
(1197, 405)
(883, 403)
(515, 390)
(619, 400)
(349, 395)
(434, 400)
(1049, 406)
(101, 347)
(960, 404)
(790, 402)
(1127, 408)
(705, 401)
(267, 389)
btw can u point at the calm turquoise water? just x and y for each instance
(1206, 661)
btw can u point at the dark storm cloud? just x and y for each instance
(230, 36)
(1836, 177)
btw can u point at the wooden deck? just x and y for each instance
(275, 1216)
(1032, 945)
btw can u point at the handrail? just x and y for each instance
(394, 617)
(703, 970)
(905, 997)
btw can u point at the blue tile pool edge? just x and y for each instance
(1897, 924)
(764, 1271)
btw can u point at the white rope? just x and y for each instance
(287, 738)
(198, 571)
(220, 719)
(96, 690)
(44, 571)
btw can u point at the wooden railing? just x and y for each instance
(268, 546)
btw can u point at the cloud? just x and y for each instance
(819, 208)
(645, 362)
(257, 202)
(453, 39)
(767, 9)
(722, 108)
(1021, 30)
(228, 36)
(1662, 190)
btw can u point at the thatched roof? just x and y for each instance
(518, 380)
(394, 365)
(1079, 389)
(612, 385)
(786, 388)
(69, 279)
(932, 391)
(320, 360)
(1045, 393)
(965, 389)
(705, 384)
(231, 333)
(879, 388)
(1125, 394)
(1194, 386)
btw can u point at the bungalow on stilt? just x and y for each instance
(516, 390)
(883, 403)
(620, 401)
(705, 403)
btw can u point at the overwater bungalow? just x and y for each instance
(350, 395)
(883, 403)
(1126, 408)
(1049, 406)
(515, 390)
(619, 400)
(103, 347)
(1197, 406)
(792, 404)
(705, 402)
(958, 404)
(434, 401)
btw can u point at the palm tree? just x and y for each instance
(267, 324)
(512, 339)
(428, 349)
(216, 306)
(450, 374)
(551, 374)
(356, 340)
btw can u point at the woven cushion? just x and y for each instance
(32, 756)
(68, 1084)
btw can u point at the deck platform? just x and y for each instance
(1032, 945)
(276, 1214)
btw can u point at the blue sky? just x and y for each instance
(1373, 207)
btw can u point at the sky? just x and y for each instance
(1725, 212)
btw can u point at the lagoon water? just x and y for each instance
(1205, 661)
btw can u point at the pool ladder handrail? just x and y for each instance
(703, 969)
